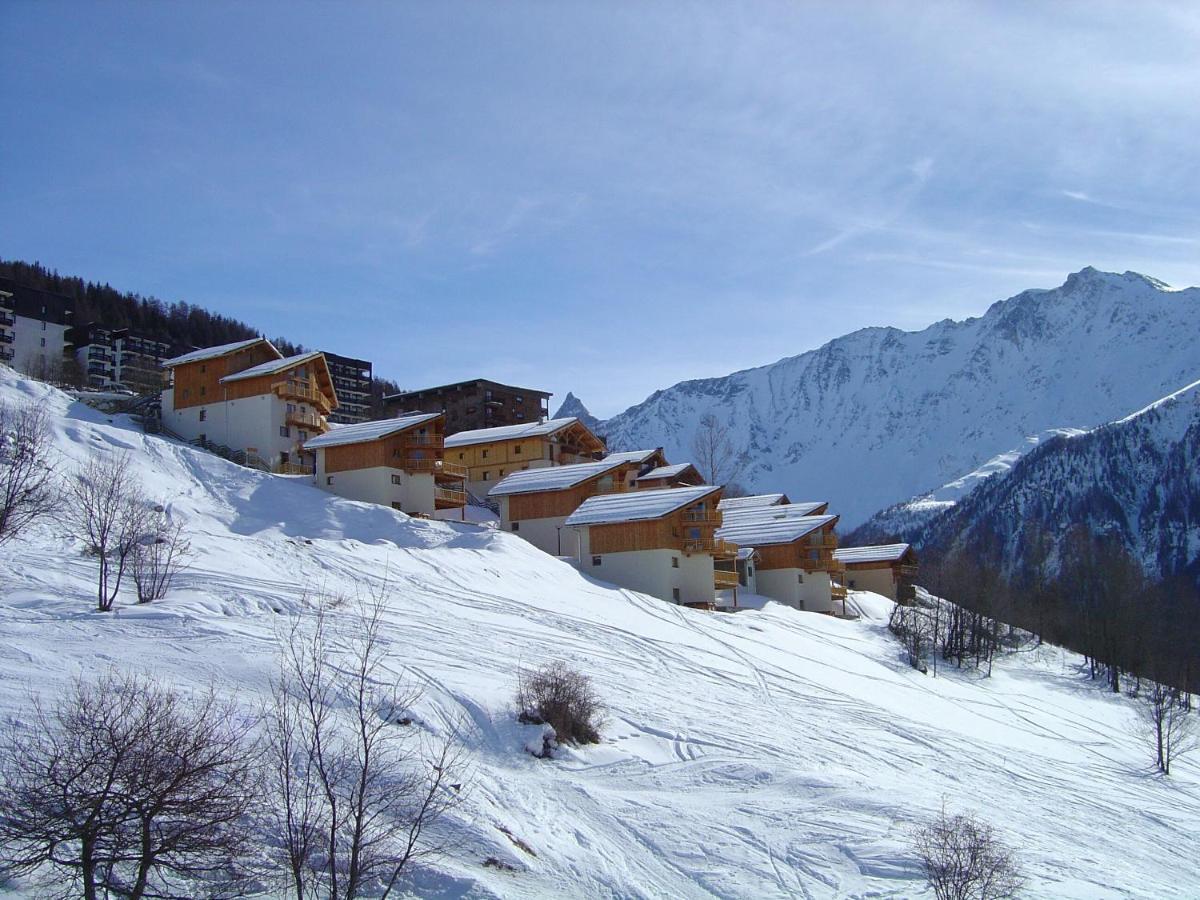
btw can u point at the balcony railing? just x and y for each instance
(7, 318)
(450, 470)
(724, 579)
(838, 592)
(6, 337)
(825, 542)
(420, 440)
(306, 419)
(717, 548)
(301, 389)
(450, 497)
(6, 355)
(290, 468)
(702, 517)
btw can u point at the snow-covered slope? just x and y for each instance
(882, 415)
(1137, 479)
(769, 753)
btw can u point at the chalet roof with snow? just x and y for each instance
(214, 352)
(880, 553)
(510, 432)
(272, 366)
(632, 456)
(637, 506)
(753, 500)
(767, 513)
(665, 472)
(764, 532)
(551, 478)
(363, 432)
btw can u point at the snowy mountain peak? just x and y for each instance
(573, 406)
(882, 415)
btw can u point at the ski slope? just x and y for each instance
(764, 754)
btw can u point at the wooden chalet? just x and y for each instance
(678, 475)
(393, 462)
(887, 569)
(659, 542)
(492, 454)
(248, 399)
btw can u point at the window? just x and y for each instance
(483, 454)
(185, 393)
(203, 390)
(303, 435)
(487, 395)
(203, 369)
(516, 526)
(519, 399)
(291, 407)
(43, 342)
(396, 479)
(852, 584)
(43, 323)
(501, 473)
(674, 562)
(750, 571)
(284, 431)
(329, 479)
(203, 414)
(398, 506)
(487, 476)
(461, 457)
(675, 594)
(800, 578)
(517, 450)
(595, 560)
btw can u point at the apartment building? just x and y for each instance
(34, 326)
(393, 462)
(249, 398)
(888, 569)
(794, 556)
(118, 359)
(659, 542)
(491, 454)
(352, 379)
(475, 404)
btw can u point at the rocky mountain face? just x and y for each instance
(573, 406)
(881, 415)
(1136, 480)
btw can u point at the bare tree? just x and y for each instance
(129, 789)
(159, 555)
(1169, 723)
(355, 789)
(108, 512)
(564, 699)
(28, 488)
(964, 859)
(713, 452)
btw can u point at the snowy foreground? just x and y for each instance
(769, 753)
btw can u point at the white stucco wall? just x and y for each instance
(250, 424)
(414, 493)
(651, 572)
(28, 352)
(878, 581)
(810, 591)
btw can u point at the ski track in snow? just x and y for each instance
(764, 754)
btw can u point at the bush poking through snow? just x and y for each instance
(28, 487)
(563, 698)
(127, 789)
(963, 859)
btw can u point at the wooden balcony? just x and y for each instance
(838, 592)
(306, 419)
(449, 470)
(710, 545)
(291, 469)
(447, 498)
(709, 517)
(724, 579)
(421, 440)
(827, 542)
(301, 389)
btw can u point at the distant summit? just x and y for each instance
(573, 406)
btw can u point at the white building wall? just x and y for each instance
(653, 572)
(252, 424)
(414, 493)
(879, 581)
(810, 591)
(35, 347)
(549, 535)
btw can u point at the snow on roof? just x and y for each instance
(362, 432)
(745, 552)
(552, 478)
(631, 456)
(508, 432)
(877, 553)
(272, 366)
(664, 472)
(761, 532)
(636, 505)
(765, 513)
(214, 352)
(755, 500)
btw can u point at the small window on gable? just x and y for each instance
(595, 560)
(203, 368)
(462, 456)
(517, 450)
(483, 454)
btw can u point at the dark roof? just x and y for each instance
(354, 361)
(467, 383)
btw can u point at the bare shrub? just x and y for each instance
(355, 791)
(964, 859)
(159, 555)
(128, 789)
(29, 490)
(716, 458)
(108, 512)
(1169, 723)
(563, 698)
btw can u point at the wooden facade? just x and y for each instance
(689, 477)
(812, 553)
(492, 460)
(561, 503)
(688, 530)
(199, 382)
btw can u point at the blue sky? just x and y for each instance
(604, 198)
